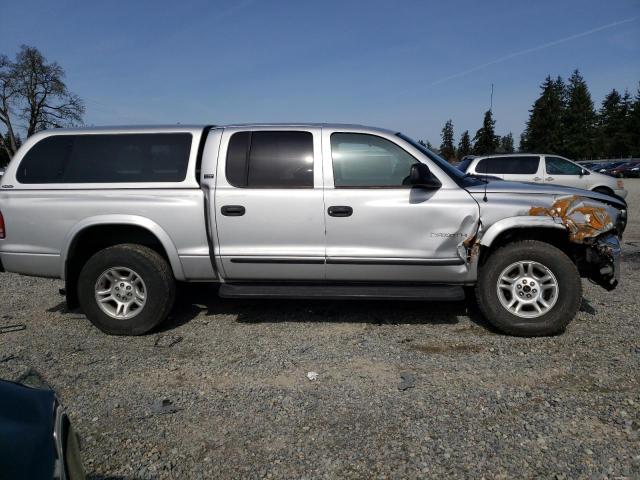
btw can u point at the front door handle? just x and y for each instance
(549, 179)
(536, 179)
(340, 211)
(232, 210)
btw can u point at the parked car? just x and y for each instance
(37, 440)
(624, 170)
(594, 166)
(545, 169)
(296, 211)
(588, 165)
(607, 167)
(633, 170)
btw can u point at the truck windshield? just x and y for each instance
(456, 175)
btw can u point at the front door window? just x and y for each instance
(368, 161)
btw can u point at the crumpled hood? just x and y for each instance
(526, 188)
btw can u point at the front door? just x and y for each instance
(268, 205)
(560, 171)
(381, 229)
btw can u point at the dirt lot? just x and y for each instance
(232, 399)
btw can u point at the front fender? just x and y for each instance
(523, 221)
(133, 220)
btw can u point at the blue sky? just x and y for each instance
(406, 65)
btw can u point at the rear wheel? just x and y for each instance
(529, 288)
(126, 289)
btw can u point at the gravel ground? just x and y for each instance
(222, 390)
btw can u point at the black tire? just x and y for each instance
(553, 321)
(151, 268)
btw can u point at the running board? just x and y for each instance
(449, 293)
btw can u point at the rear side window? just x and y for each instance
(152, 157)
(560, 166)
(508, 165)
(270, 159)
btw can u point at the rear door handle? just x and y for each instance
(340, 211)
(549, 179)
(232, 210)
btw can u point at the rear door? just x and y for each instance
(268, 204)
(560, 171)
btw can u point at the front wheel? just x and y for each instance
(529, 288)
(126, 289)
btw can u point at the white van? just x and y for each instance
(540, 168)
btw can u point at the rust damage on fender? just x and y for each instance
(583, 219)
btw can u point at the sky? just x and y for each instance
(403, 65)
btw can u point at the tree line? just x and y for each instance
(562, 120)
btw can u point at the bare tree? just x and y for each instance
(33, 97)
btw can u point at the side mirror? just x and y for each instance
(421, 176)
(584, 172)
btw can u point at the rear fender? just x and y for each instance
(133, 220)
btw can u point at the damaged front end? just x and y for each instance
(595, 227)
(602, 259)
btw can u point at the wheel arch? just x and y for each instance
(520, 223)
(609, 190)
(96, 233)
(545, 229)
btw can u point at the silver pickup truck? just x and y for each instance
(295, 211)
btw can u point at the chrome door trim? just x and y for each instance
(394, 261)
(280, 260)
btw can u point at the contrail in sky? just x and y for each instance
(533, 49)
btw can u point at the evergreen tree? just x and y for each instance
(523, 141)
(612, 122)
(427, 145)
(627, 134)
(633, 126)
(447, 149)
(544, 132)
(485, 141)
(579, 120)
(464, 146)
(506, 144)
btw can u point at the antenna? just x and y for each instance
(491, 104)
(486, 169)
